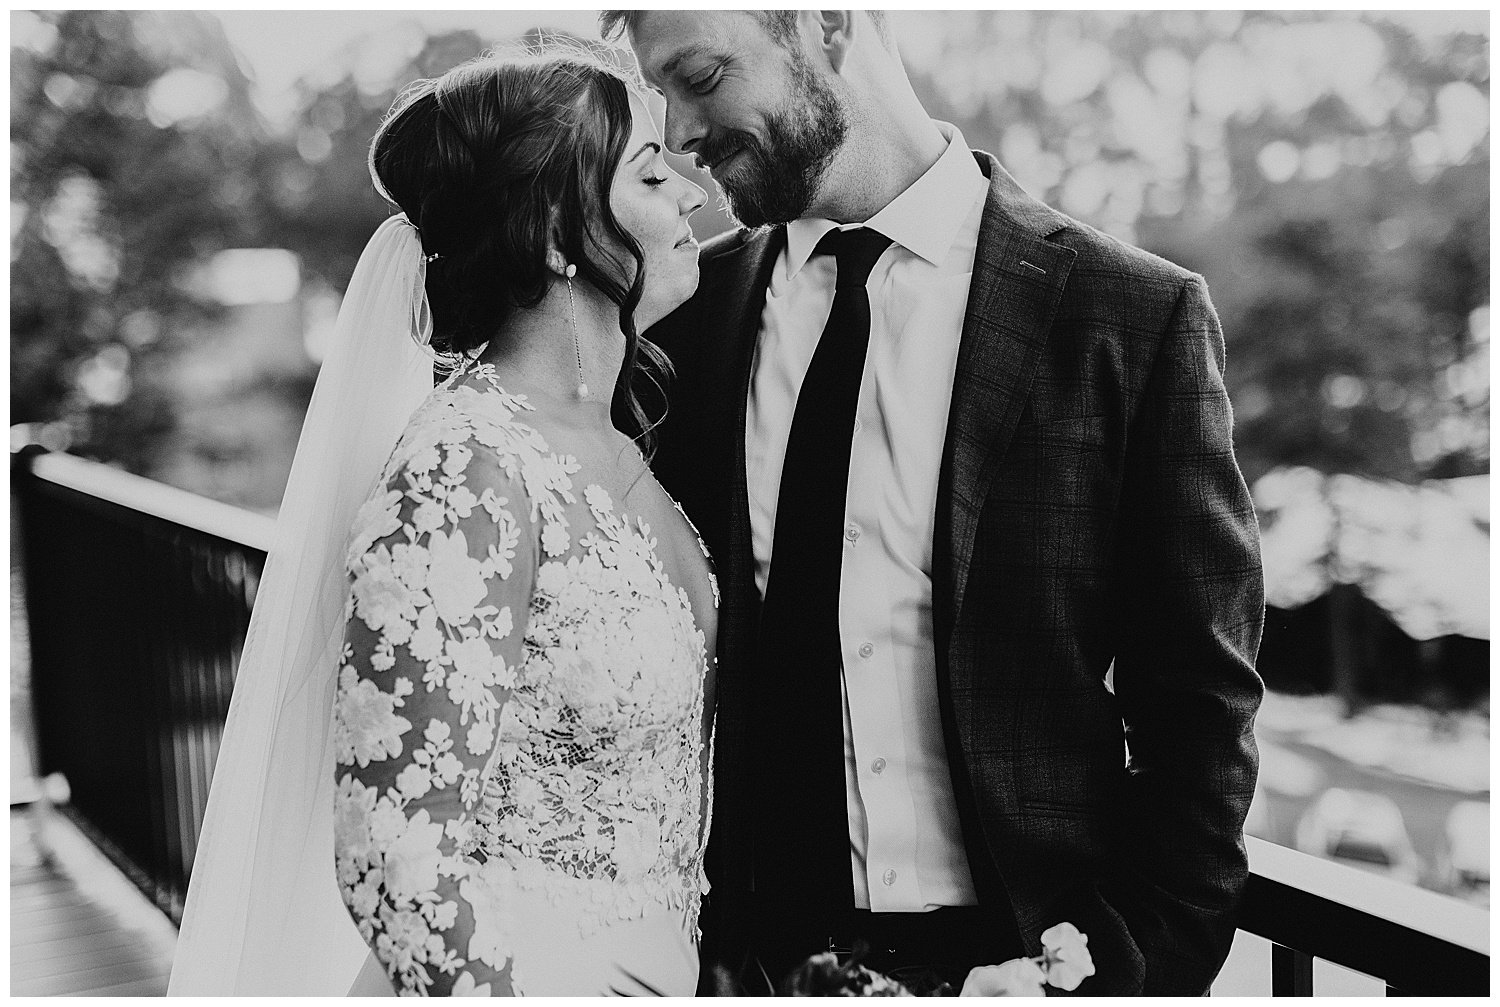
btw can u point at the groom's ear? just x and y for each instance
(835, 35)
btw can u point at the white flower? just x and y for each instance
(455, 581)
(501, 625)
(411, 862)
(637, 572)
(387, 823)
(598, 499)
(366, 726)
(383, 658)
(352, 804)
(1068, 961)
(551, 578)
(555, 538)
(582, 682)
(441, 915)
(457, 460)
(481, 738)
(364, 899)
(475, 669)
(507, 538)
(410, 564)
(1019, 977)
(380, 598)
(491, 940)
(408, 932)
(426, 642)
(461, 501)
(377, 518)
(447, 767)
(466, 987)
(425, 459)
(496, 410)
(636, 846)
(428, 517)
(526, 794)
(512, 728)
(472, 657)
(414, 782)
(577, 594)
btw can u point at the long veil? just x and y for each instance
(263, 912)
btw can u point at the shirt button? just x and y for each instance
(851, 532)
(889, 877)
(866, 649)
(858, 426)
(877, 767)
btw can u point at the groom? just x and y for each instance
(992, 589)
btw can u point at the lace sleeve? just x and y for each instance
(442, 563)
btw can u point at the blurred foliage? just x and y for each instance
(1327, 172)
(324, 203)
(133, 154)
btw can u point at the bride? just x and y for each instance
(509, 620)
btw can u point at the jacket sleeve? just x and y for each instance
(441, 566)
(1185, 667)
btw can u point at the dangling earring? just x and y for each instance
(569, 273)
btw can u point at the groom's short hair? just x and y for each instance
(781, 25)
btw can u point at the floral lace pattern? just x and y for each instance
(519, 702)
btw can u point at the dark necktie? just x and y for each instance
(802, 832)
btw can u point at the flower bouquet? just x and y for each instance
(1063, 964)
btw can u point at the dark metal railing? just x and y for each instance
(139, 597)
(1417, 942)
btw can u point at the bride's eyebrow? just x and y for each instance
(650, 145)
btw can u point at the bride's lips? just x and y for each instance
(686, 240)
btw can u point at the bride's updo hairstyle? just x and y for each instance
(491, 160)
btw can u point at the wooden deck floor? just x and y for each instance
(78, 927)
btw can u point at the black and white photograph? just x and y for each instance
(750, 503)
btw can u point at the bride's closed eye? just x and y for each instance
(653, 181)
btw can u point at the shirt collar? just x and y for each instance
(925, 219)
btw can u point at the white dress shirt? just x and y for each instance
(905, 844)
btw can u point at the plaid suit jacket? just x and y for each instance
(1090, 515)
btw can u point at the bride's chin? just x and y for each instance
(645, 317)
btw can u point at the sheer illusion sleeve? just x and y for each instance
(442, 562)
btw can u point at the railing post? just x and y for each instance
(1291, 972)
(130, 706)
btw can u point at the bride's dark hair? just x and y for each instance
(491, 160)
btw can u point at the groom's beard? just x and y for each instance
(777, 178)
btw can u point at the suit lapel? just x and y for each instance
(1017, 282)
(747, 271)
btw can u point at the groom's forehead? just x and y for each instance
(662, 39)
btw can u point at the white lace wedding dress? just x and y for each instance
(519, 722)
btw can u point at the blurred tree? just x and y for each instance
(1338, 205)
(324, 205)
(133, 140)
(322, 202)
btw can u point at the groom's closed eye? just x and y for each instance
(705, 80)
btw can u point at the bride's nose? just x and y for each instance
(691, 199)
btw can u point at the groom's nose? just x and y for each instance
(686, 127)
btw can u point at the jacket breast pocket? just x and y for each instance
(1075, 435)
